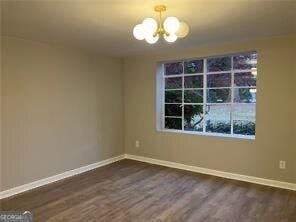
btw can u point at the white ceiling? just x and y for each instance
(105, 26)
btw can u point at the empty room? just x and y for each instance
(148, 111)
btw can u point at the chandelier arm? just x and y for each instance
(160, 29)
(170, 23)
(160, 20)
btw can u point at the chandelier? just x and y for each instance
(150, 29)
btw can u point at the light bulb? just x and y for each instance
(149, 25)
(183, 30)
(151, 39)
(171, 38)
(139, 32)
(171, 24)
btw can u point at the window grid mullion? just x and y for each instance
(163, 107)
(204, 95)
(176, 117)
(232, 97)
(183, 80)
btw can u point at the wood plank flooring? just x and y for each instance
(131, 191)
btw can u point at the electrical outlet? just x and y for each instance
(282, 164)
(137, 143)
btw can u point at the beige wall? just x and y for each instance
(275, 138)
(61, 108)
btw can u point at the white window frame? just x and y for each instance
(160, 98)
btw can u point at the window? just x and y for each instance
(212, 96)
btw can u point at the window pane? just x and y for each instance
(173, 123)
(173, 110)
(173, 68)
(219, 96)
(219, 64)
(173, 83)
(193, 96)
(193, 118)
(245, 79)
(244, 95)
(244, 112)
(218, 118)
(173, 96)
(219, 80)
(243, 127)
(245, 61)
(193, 66)
(193, 81)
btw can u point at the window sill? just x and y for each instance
(236, 136)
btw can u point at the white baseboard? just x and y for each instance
(48, 180)
(234, 176)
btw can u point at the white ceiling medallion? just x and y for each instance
(150, 29)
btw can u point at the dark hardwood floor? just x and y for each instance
(131, 191)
